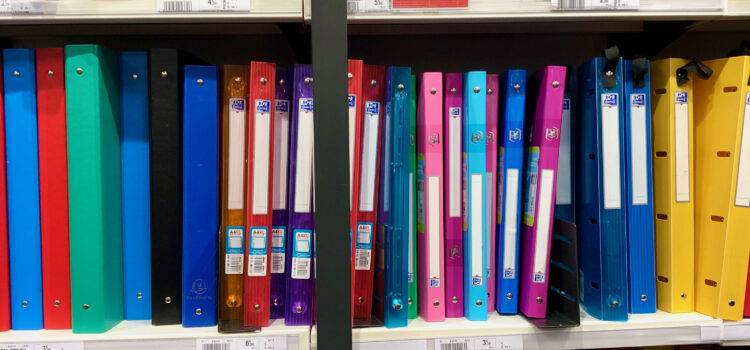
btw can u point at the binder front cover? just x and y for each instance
(493, 85)
(453, 222)
(413, 276)
(5, 322)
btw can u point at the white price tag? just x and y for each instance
(21, 7)
(43, 346)
(419, 344)
(246, 343)
(595, 5)
(512, 342)
(355, 6)
(203, 5)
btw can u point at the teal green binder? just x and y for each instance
(92, 96)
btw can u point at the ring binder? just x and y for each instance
(454, 246)
(493, 86)
(413, 273)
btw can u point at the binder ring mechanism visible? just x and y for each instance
(696, 67)
(612, 55)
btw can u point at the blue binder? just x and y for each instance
(510, 185)
(200, 195)
(564, 197)
(474, 211)
(600, 206)
(24, 236)
(136, 218)
(639, 183)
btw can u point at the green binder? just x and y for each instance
(413, 186)
(92, 96)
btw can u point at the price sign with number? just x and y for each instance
(244, 343)
(512, 342)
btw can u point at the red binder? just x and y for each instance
(4, 273)
(259, 210)
(373, 89)
(355, 146)
(53, 187)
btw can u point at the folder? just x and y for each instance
(355, 122)
(672, 108)
(234, 94)
(373, 88)
(280, 219)
(601, 208)
(94, 187)
(746, 312)
(430, 197)
(564, 197)
(200, 194)
(53, 187)
(722, 196)
(134, 151)
(509, 188)
(413, 275)
(454, 260)
(543, 141)
(299, 260)
(24, 237)
(259, 191)
(493, 91)
(639, 184)
(5, 322)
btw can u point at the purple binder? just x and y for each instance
(454, 259)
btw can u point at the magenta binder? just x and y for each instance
(452, 155)
(539, 198)
(493, 87)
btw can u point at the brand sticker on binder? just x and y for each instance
(352, 101)
(262, 106)
(434, 282)
(514, 135)
(609, 100)
(301, 254)
(476, 280)
(238, 104)
(278, 254)
(638, 99)
(454, 112)
(257, 252)
(364, 246)
(306, 104)
(566, 104)
(233, 252)
(282, 106)
(372, 108)
(681, 97)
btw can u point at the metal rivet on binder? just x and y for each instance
(140, 296)
(79, 70)
(477, 89)
(18, 74)
(615, 303)
(517, 87)
(263, 80)
(349, 75)
(453, 90)
(436, 302)
(397, 305)
(509, 296)
(644, 297)
(360, 300)
(200, 82)
(373, 82)
(400, 87)
(57, 303)
(168, 300)
(683, 295)
(282, 82)
(256, 307)
(163, 73)
(433, 91)
(478, 302)
(198, 311)
(50, 73)
(539, 300)
(24, 303)
(298, 309)
(237, 79)
(86, 306)
(489, 91)
(276, 302)
(454, 300)
(731, 302)
(308, 80)
(232, 302)
(134, 76)
(409, 301)
(555, 84)
(609, 73)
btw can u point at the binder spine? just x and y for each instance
(540, 195)
(373, 85)
(5, 321)
(639, 184)
(475, 195)
(299, 287)
(134, 150)
(24, 235)
(510, 185)
(53, 187)
(280, 220)
(454, 246)
(355, 154)
(430, 198)
(259, 193)
(493, 85)
(200, 186)
(413, 276)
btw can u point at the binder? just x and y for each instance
(299, 282)
(280, 218)
(746, 311)
(601, 210)
(722, 196)
(359, 235)
(259, 191)
(200, 194)
(24, 237)
(493, 85)
(94, 187)
(672, 108)
(53, 187)
(430, 198)
(541, 169)
(5, 321)
(413, 275)
(564, 201)
(373, 85)
(234, 94)
(509, 187)
(134, 151)
(454, 257)
(639, 184)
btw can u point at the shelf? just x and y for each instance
(142, 335)
(736, 333)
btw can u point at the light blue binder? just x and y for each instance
(24, 236)
(474, 211)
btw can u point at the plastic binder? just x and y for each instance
(430, 197)
(509, 188)
(454, 258)
(413, 274)
(5, 322)
(565, 193)
(358, 235)
(53, 187)
(94, 187)
(493, 91)
(541, 169)
(134, 151)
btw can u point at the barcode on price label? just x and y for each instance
(595, 4)
(246, 343)
(177, 6)
(215, 347)
(514, 342)
(355, 6)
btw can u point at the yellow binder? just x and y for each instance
(722, 196)
(672, 105)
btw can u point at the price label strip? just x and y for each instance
(356, 6)
(186, 6)
(513, 342)
(246, 343)
(595, 5)
(43, 346)
(21, 7)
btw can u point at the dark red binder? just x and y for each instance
(4, 273)
(53, 187)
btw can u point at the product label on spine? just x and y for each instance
(302, 254)
(278, 249)
(257, 252)
(532, 173)
(233, 252)
(364, 246)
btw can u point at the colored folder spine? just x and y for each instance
(259, 190)
(373, 88)
(232, 232)
(280, 219)
(200, 194)
(134, 150)
(564, 201)
(454, 260)
(299, 260)
(413, 274)
(430, 197)
(672, 107)
(509, 187)
(746, 311)
(53, 187)
(640, 198)
(5, 322)
(24, 235)
(541, 168)
(722, 197)
(94, 187)
(493, 85)
(355, 123)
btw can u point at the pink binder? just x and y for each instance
(454, 260)
(493, 86)
(430, 197)
(540, 182)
